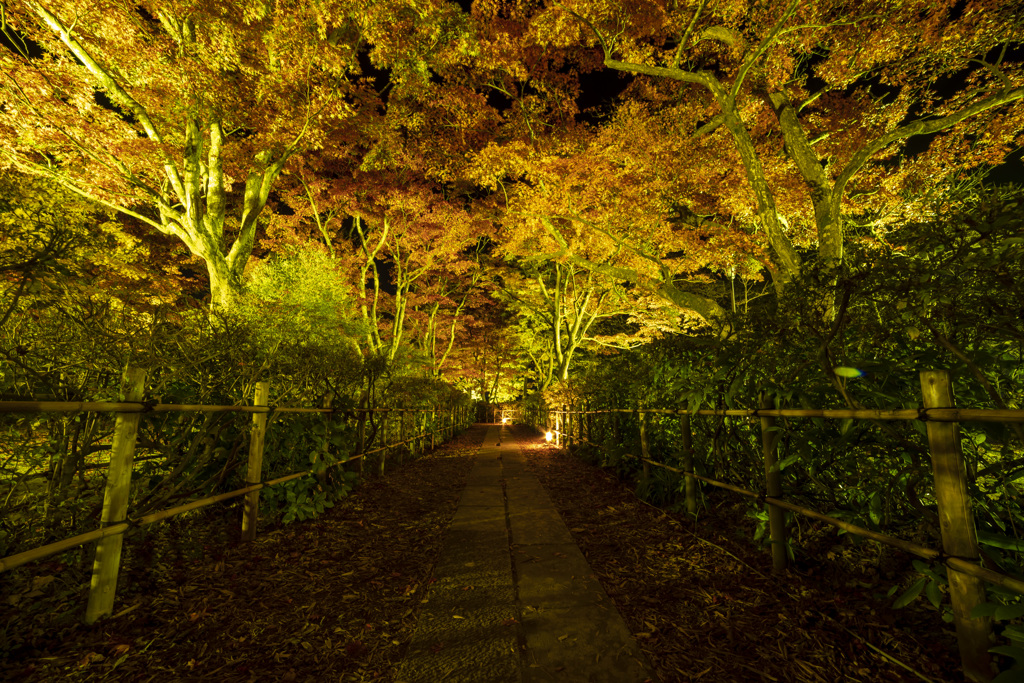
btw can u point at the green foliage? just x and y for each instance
(301, 300)
(932, 583)
(1006, 606)
(71, 339)
(940, 293)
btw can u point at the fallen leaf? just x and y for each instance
(42, 581)
(90, 658)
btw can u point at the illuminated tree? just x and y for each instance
(183, 115)
(818, 99)
(558, 310)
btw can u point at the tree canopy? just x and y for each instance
(609, 172)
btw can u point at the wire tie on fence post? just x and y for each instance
(981, 560)
(131, 522)
(922, 414)
(147, 406)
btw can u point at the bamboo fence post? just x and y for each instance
(574, 425)
(956, 524)
(568, 425)
(644, 449)
(686, 442)
(571, 425)
(417, 432)
(616, 429)
(433, 426)
(325, 451)
(570, 421)
(590, 423)
(559, 424)
(401, 436)
(361, 436)
(773, 485)
(254, 474)
(107, 562)
(384, 443)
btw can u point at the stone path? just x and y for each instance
(513, 600)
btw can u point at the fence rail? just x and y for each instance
(146, 407)
(115, 520)
(959, 552)
(923, 414)
(998, 578)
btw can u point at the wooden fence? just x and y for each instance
(444, 422)
(956, 520)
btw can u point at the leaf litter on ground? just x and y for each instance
(332, 599)
(702, 603)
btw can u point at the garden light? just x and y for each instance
(548, 436)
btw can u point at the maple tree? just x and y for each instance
(559, 308)
(442, 304)
(391, 233)
(183, 115)
(58, 248)
(609, 200)
(818, 100)
(491, 364)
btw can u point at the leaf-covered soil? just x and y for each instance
(333, 599)
(704, 606)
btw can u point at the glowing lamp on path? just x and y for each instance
(548, 436)
(504, 420)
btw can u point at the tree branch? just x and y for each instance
(686, 34)
(748, 63)
(921, 128)
(120, 94)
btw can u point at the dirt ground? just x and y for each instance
(335, 599)
(703, 605)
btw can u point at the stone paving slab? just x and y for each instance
(553, 575)
(513, 599)
(583, 643)
(483, 494)
(533, 526)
